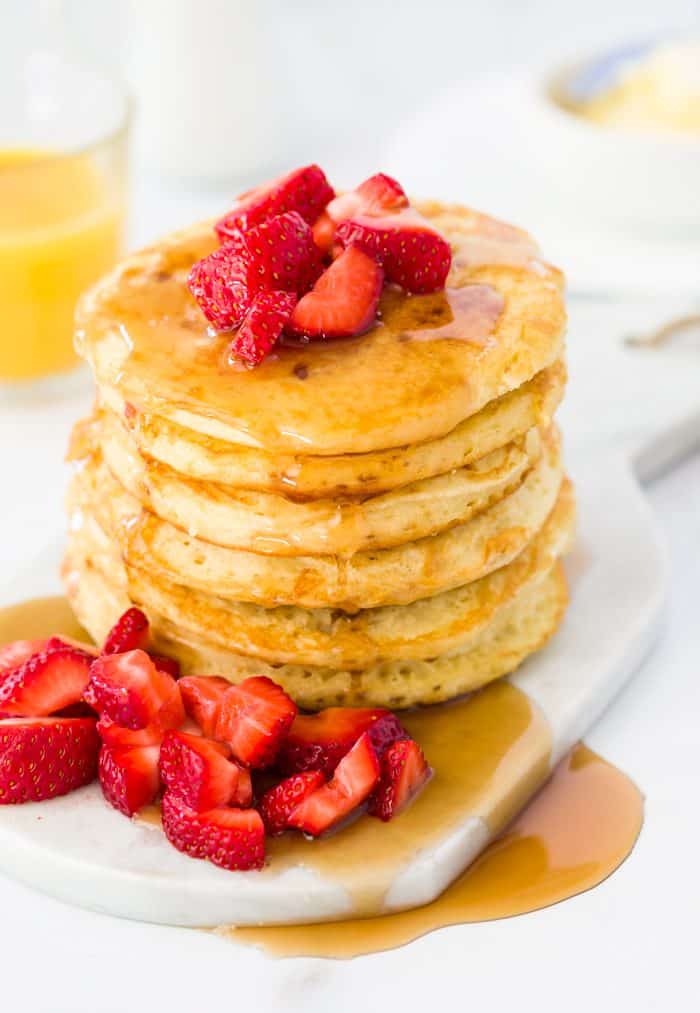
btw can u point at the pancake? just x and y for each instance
(431, 626)
(429, 363)
(377, 520)
(274, 525)
(305, 476)
(394, 576)
(518, 631)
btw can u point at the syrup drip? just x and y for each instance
(574, 834)
(490, 753)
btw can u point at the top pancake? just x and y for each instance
(304, 477)
(429, 363)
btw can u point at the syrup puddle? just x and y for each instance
(574, 834)
(490, 753)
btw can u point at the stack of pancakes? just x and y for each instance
(372, 521)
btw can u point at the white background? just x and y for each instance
(346, 75)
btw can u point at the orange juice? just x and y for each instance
(61, 225)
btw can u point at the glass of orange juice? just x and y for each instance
(63, 159)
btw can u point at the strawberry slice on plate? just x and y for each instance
(201, 774)
(305, 190)
(262, 326)
(344, 300)
(129, 689)
(129, 633)
(163, 664)
(351, 784)
(129, 778)
(53, 643)
(324, 232)
(254, 719)
(404, 772)
(44, 757)
(243, 792)
(115, 736)
(320, 741)
(412, 254)
(15, 653)
(46, 682)
(231, 838)
(378, 195)
(202, 695)
(278, 803)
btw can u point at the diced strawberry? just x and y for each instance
(378, 195)
(200, 772)
(382, 193)
(413, 254)
(277, 804)
(404, 771)
(129, 777)
(343, 302)
(44, 757)
(129, 689)
(383, 732)
(129, 633)
(324, 232)
(277, 255)
(202, 695)
(114, 736)
(231, 838)
(243, 795)
(218, 285)
(163, 664)
(254, 719)
(172, 713)
(15, 653)
(305, 190)
(80, 645)
(320, 741)
(263, 324)
(46, 682)
(351, 784)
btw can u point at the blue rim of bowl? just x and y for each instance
(600, 73)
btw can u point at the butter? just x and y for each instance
(660, 92)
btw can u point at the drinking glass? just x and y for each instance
(63, 168)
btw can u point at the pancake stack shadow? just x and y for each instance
(407, 573)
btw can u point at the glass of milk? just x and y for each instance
(204, 87)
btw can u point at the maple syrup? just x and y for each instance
(574, 834)
(466, 314)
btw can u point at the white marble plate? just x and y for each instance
(81, 851)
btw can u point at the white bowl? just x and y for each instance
(639, 181)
